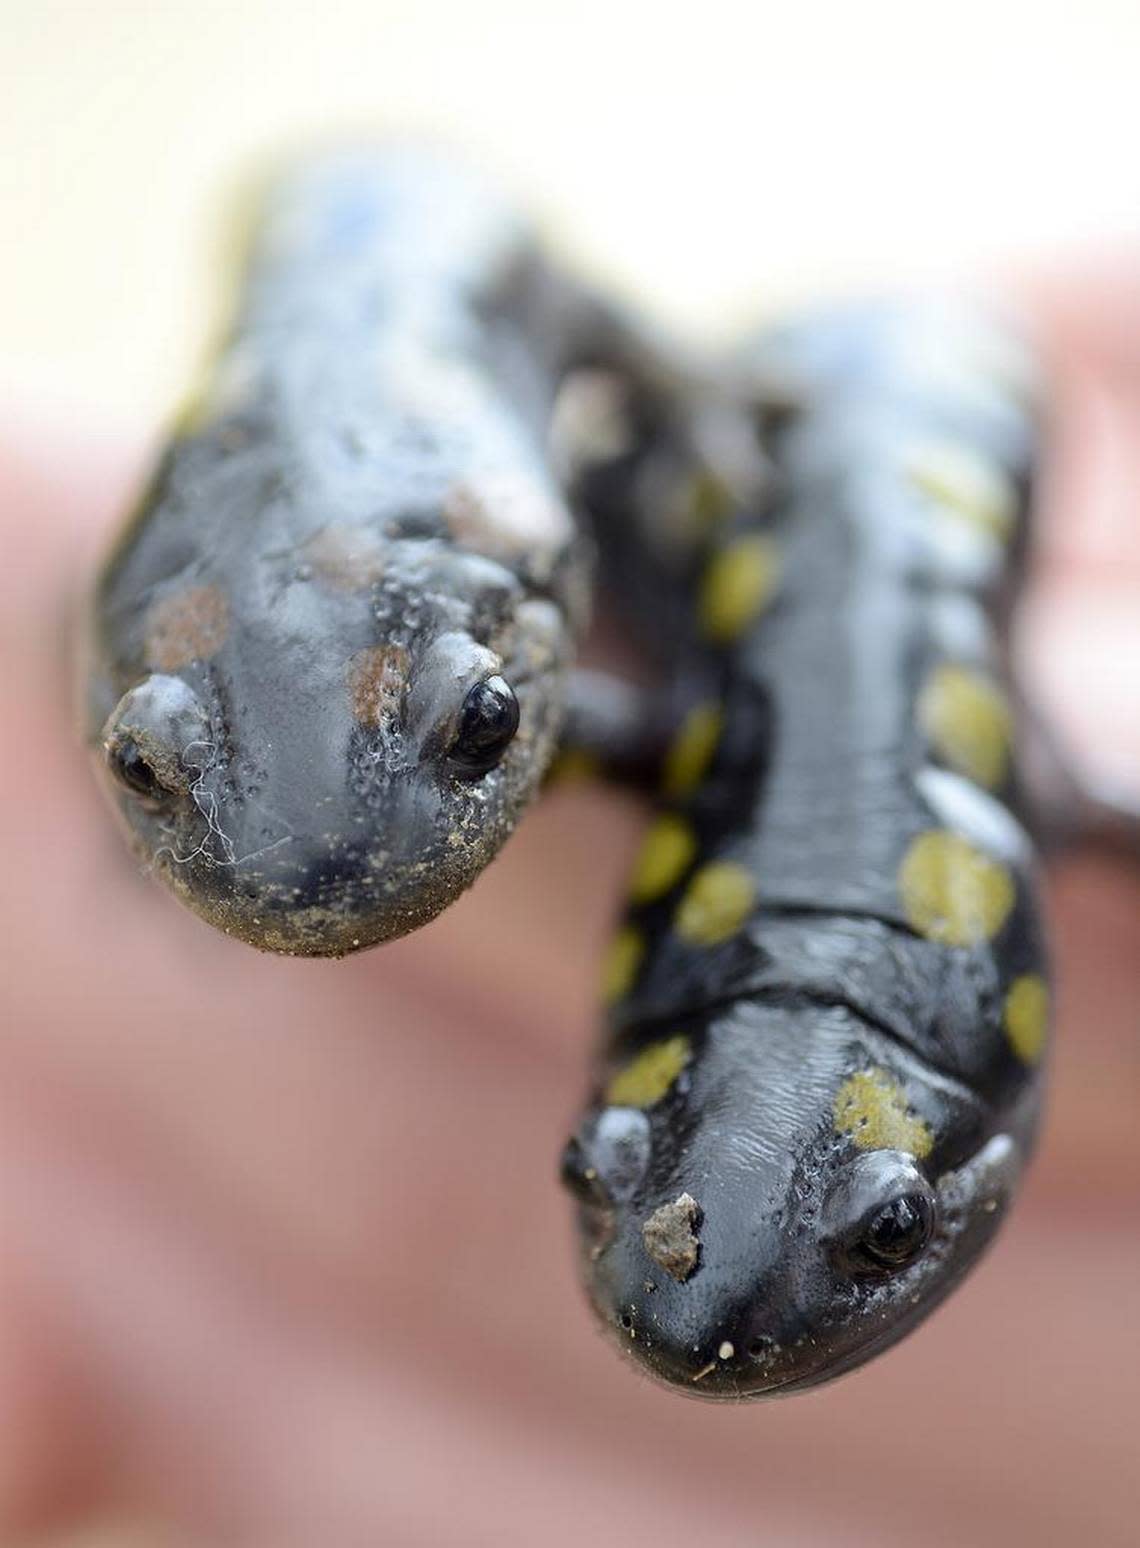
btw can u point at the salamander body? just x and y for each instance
(328, 654)
(828, 1002)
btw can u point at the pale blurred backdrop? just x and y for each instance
(282, 1256)
(714, 159)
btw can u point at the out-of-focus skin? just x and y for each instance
(305, 648)
(283, 1255)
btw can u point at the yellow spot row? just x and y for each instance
(716, 903)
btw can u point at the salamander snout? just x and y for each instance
(734, 1259)
(721, 1300)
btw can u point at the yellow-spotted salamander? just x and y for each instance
(828, 1000)
(328, 655)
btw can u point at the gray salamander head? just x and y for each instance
(771, 1199)
(314, 755)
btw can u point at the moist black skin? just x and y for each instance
(834, 1083)
(355, 560)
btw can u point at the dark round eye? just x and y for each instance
(487, 722)
(896, 1233)
(127, 763)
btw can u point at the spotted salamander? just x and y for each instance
(828, 1001)
(328, 656)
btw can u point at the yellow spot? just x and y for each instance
(718, 900)
(688, 759)
(872, 1108)
(737, 584)
(970, 486)
(1026, 1017)
(649, 1076)
(573, 765)
(666, 854)
(622, 961)
(951, 892)
(968, 723)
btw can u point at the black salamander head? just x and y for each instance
(320, 766)
(799, 1197)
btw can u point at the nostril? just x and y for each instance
(626, 1321)
(761, 1347)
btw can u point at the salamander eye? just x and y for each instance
(127, 762)
(880, 1213)
(895, 1234)
(487, 722)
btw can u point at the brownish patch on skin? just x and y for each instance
(186, 626)
(670, 1236)
(345, 557)
(377, 681)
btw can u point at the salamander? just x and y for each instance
(828, 1002)
(328, 656)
